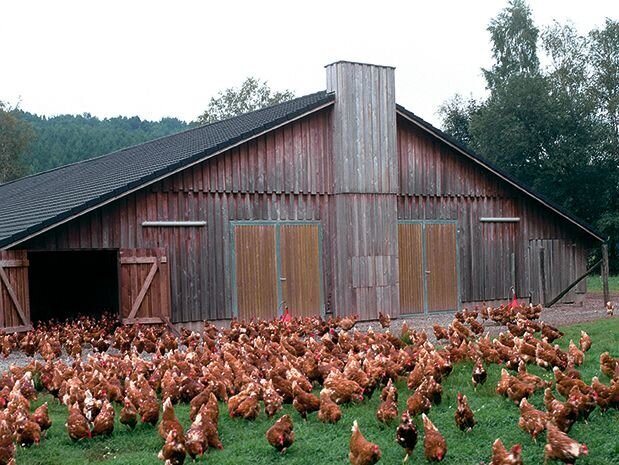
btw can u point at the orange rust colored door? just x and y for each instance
(14, 291)
(441, 267)
(300, 269)
(144, 286)
(410, 251)
(256, 271)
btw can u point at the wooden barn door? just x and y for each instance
(300, 269)
(553, 265)
(144, 286)
(428, 264)
(277, 265)
(441, 267)
(255, 256)
(412, 281)
(14, 293)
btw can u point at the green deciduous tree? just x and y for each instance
(252, 95)
(555, 127)
(15, 138)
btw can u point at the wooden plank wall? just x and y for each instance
(256, 181)
(364, 131)
(438, 183)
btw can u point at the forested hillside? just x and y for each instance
(63, 139)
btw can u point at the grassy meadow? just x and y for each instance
(317, 443)
(594, 283)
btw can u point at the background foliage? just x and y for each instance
(556, 126)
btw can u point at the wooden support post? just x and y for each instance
(605, 272)
(542, 272)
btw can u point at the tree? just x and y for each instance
(252, 95)
(556, 127)
(15, 138)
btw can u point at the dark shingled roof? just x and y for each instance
(33, 203)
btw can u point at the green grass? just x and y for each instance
(594, 283)
(244, 442)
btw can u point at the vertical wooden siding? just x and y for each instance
(256, 271)
(283, 175)
(438, 183)
(410, 251)
(300, 268)
(441, 259)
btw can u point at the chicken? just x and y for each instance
(479, 373)
(418, 403)
(406, 434)
(272, 400)
(27, 431)
(584, 403)
(388, 408)
(362, 451)
(77, 424)
(464, 415)
(535, 381)
(169, 422)
(532, 420)
(7, 447)
(41, 416)
(500, 456)
(440, 332)
(562, 414)
(281, 434)
(610, 308)
(149, 410)
(196, 402)
(585, 341)
(347, 323)
(210, 410)
(559, 446)
(608, 364)
(128, 414)
(384, 319)
(173, 451)
(434, 444)
(196, 442)
(104, 421)
(304, 402)
(603, 394)
(344, 390)
(576, 355)
(329, 411)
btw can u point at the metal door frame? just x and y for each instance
(278, 259)
(424, 263)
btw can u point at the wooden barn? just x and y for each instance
(337, 202)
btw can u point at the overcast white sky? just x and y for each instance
(155, 58)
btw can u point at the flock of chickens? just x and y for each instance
(259, 366)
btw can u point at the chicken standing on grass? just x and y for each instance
(479, 374)
(464, 415)
(173, 451)
(281, 434)
(77, 424)
(434, 444)
(406, 434)
(169, 422)
(362, 451)
(559, 446)
(500, 455)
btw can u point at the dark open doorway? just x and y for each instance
(67, 284)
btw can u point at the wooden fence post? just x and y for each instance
(605, 272)
(542, 272)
